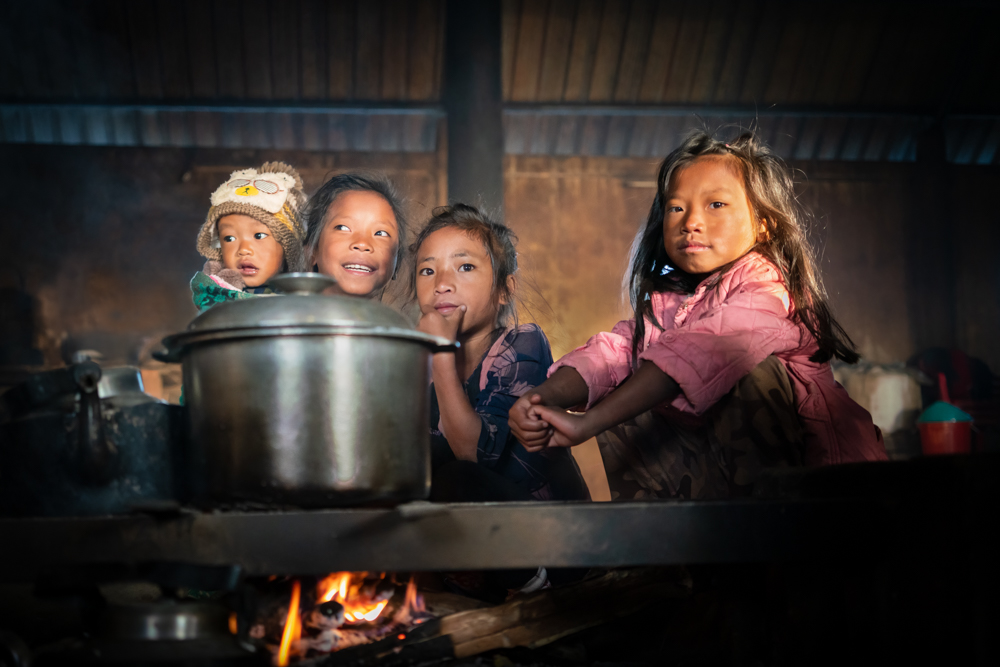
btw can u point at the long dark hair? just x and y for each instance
(771, 193)
(355, 181)
(496, 237)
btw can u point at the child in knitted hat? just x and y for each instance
(253, 232)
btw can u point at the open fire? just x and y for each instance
(345, 609)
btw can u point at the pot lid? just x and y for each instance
(305, 309)
(307, 301)
(939, 411)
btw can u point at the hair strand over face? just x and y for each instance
(770, 190)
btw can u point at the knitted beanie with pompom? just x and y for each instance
(273, 196)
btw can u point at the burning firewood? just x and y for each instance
(531, 621)
(338, 631)
(327, 616)
(308, 617)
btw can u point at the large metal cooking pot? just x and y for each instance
(307, 399)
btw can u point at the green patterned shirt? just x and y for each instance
(205, 292)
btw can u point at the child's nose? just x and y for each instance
(245, 248)
(442, 284)
(692, 222)
(360, 243)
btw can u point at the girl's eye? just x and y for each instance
(260, 235)
(425, 272)
(466, 267)
(228, 239)
(674, 209)
(382, 232)
(342, 228)
(716, 204)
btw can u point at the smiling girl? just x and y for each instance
(724, 370)
(357, 232)
(465, 283)
(253, 232)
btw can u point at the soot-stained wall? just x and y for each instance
(576, 218)
(103, 240)
(98, 247)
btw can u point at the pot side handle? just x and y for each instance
(171, 352)
(167, 356)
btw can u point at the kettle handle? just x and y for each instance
(95, 452)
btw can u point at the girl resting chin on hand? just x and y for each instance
(464, 282)
(724, 370)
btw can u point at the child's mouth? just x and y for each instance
(248, 269)
(358, 268)
(693, 247)
(446, 308)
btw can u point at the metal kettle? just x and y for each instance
(82, 441)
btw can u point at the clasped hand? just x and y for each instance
(538, 426)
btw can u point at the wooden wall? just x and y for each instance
(976, 236)
(103, 240)
(576, 218)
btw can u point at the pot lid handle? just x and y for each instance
(302, 283)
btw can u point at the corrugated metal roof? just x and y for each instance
(649, 133)
(592, 131)
(973, 140)
(174, 72)
(340, 129)
(205, 50)
(936, 56)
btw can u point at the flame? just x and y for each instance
(370, 615)
(233, 623)
(413, 600)
(345, 588)
(293, 627)
(334, 587)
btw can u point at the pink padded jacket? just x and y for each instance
(714, 337)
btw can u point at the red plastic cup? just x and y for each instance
(946, 437)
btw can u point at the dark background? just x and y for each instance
(118, 119)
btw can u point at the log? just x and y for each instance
(440, 603)
(548, 615)
(530, 621)
(537, 633)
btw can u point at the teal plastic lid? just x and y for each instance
(943, 412)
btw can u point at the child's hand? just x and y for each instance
(568, 429)
(528, 428)
(446, 326)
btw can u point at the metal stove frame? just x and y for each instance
(425, 536)
(851, 511)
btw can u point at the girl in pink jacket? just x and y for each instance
(724, 370)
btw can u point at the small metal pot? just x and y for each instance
(307, 399)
